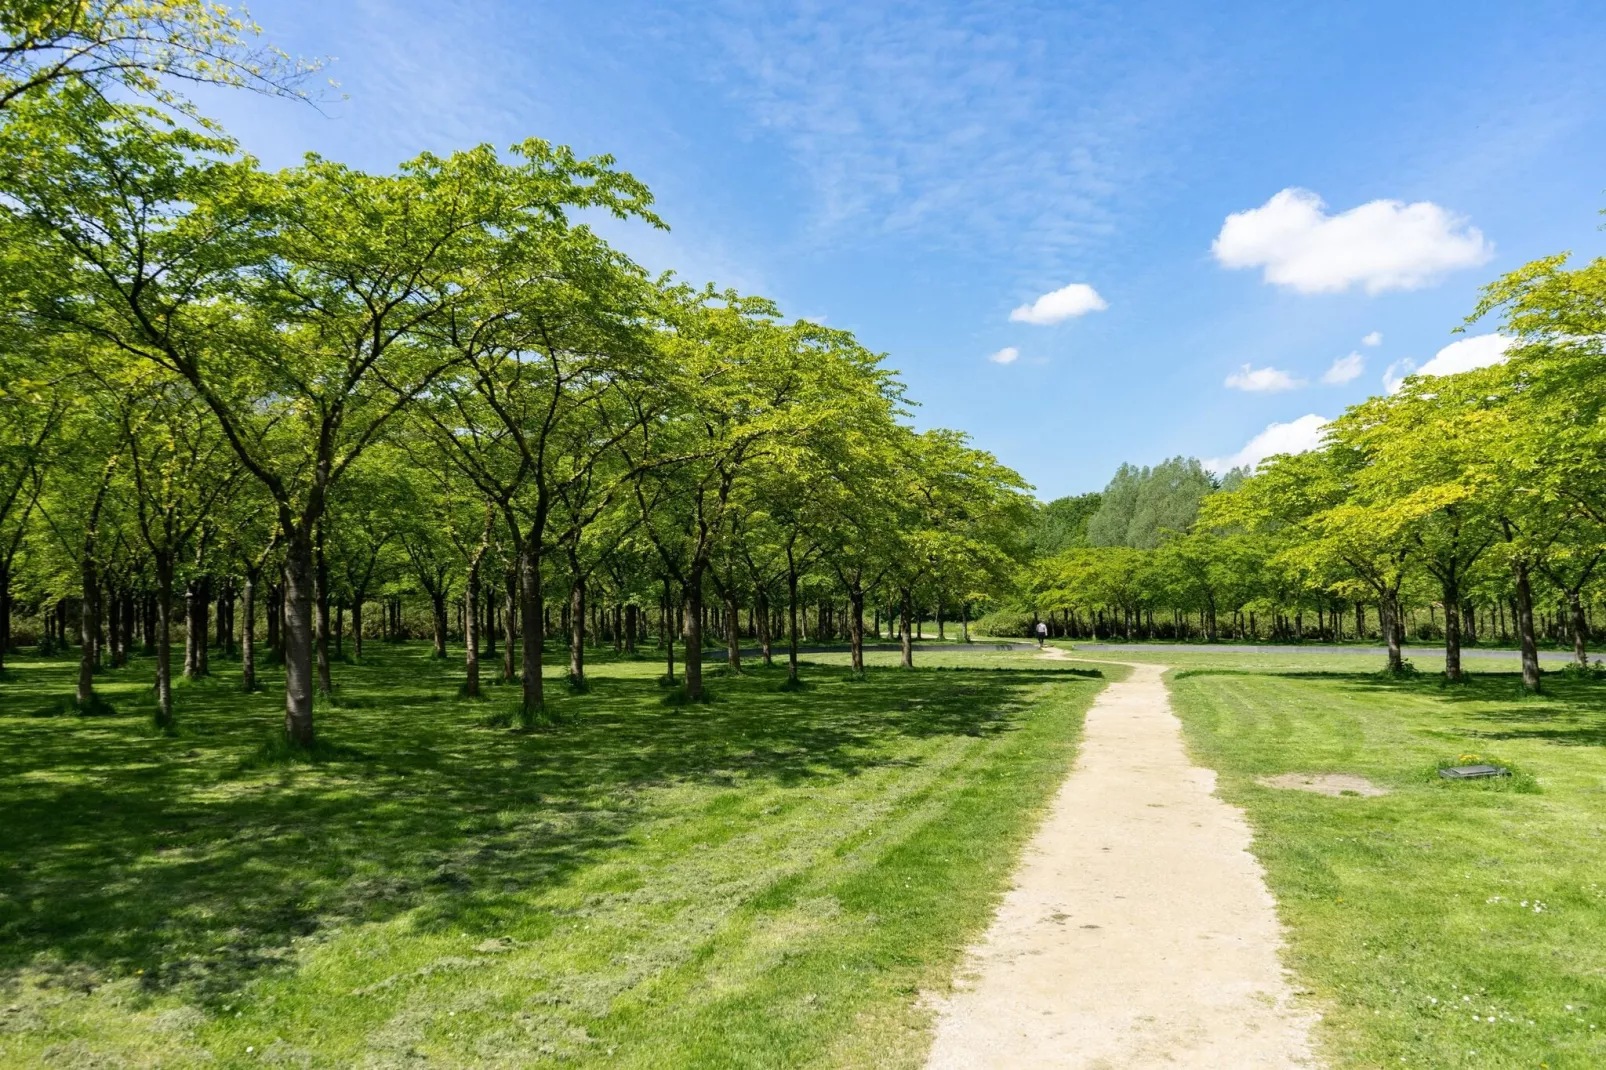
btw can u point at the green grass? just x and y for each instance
(1416, 917)
(768, 879)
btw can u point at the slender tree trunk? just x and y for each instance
(192, 660)
(632, 623)
(761, 613)
(856, 627)
(1580, 623)
(86, 630)
(791, 624)
(1525, 626)
(357, 599)
(1360, 621)
(471, 632)
(1389, 613)
(164, 639)
(693, 595)
(733, 635)
(321, 612)
(203, 622)
(666, 636)
(577, 625)
(5, 613)
(906, 612)
(297, 638)
(438, 621)
(534, 638)
(248, 633)
(510, 636)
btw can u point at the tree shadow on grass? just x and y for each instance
(127, 852)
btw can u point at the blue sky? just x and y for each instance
(917, 172)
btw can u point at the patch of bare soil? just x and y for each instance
(1325, 784)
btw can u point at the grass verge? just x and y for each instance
(1444, 924)
(769, 880)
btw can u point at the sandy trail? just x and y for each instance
(1139, 932)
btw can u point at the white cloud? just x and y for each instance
(1395, 374)
(1007, 355)
(1381, 245)
(1296, 436)
(1263, 380)
(1479, 351)
(1373, 339)
(1077, 299)
(1345, 369)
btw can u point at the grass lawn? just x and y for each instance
(1442, 925)
(768, 880)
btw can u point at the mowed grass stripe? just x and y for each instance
(769, 880)
(1444, 925)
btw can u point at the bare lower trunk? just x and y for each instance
(321, 615)
(437, 613)
(1525, 627)
(530, 607)
(906, 639)
(248, 633)
(164, 640)
(296, 635)
(694, 636)
(192, 659)
(577, 627)
(471, 633)
(1575, 604)
(1452, 630)
(5, 614)
(733, 636)
(856, 628)
(86, 633)
(1389, 608)
(761, 611)
(510, 631)
(632, 622)
(666, 635)
(791, 625)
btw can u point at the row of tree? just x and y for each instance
(1479, 497)
(256, 389)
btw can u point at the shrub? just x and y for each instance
(1004, 623)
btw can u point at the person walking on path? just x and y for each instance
(1042, 634)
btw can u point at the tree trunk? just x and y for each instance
(733, 636)
(906, 611)
(248, 633)
(577, 626)
(471, 632)
(791, 624)
(321, 613)
(5, 614)
(632, 623)
(534, 638)
(86, 632)
(203, 622)
(1580, 623)
(164, 640)
(1389, 611)
(1451, 594)
(761, 614)
(856, 627)
(510, 637)
(192, 660)
(356, 624)
(693, 595)
(297, 639)
(1525, 627)
(1360, 621)
(437, 615)
(666, 636)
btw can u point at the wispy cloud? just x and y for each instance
(1374, 338)
(1263, 380)
(1007, 355)
(1345, 369)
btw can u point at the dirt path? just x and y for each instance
(1139, 932)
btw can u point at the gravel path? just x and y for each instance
(1139, 932)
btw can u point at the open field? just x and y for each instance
(1439, 925)
(767, 880)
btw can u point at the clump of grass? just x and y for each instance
(514, 715)
(277, 751)
(1595, 671)
(677, 696)
(792, 683)
(67, 705)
